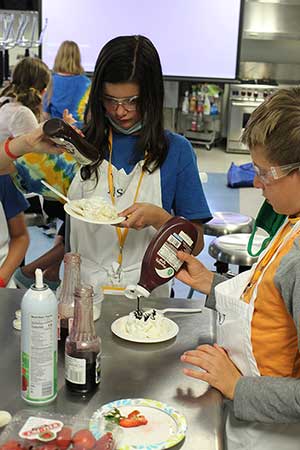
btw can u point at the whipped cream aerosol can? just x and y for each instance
(160, 263)
(39, 343)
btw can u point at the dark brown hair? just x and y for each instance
(129, 59)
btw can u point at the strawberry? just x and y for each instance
(134, 419)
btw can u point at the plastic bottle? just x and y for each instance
(185, 103)
(83, 346)
(206, 110)
(66, 293)
(214, 110)
(62, 134)
(194, 122)
(39, 343)
(193, 101)
(160, 262)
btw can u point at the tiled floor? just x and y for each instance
(215, 163)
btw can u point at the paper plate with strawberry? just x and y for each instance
(145, 424)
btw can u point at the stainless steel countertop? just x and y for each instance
(129, 370)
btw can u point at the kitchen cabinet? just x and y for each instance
(270, 46)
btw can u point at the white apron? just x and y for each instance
(4, 242)
(99, 245)
(234, 318)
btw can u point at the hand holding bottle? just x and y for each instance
(195, 274)
(68, 117)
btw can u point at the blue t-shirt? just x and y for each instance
(71, 92)
(182, 191)
(12, 200)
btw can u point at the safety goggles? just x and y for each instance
(128, 103)
(275, 172)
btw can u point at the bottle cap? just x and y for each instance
(133, 291)
(39, 284)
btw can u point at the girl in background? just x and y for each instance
(69, 87)
(21, 100)
(20, 113)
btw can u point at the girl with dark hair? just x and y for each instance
(148, 173)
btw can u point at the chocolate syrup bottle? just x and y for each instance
(160, 262)
(66, 293)
(83, 346)
(62, 134)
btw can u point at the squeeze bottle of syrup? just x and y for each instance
(160, 262)
(39, 343)
(62, 134)
(83, 346)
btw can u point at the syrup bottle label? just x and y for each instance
(75, 370)
(167, 263)
(98, 369)
(70, 148)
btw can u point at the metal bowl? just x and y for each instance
(232, 249)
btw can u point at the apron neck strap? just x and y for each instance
(121, 233)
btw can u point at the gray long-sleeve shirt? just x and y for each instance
(272, 399)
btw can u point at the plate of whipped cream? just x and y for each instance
(147, 327)
(93, 210)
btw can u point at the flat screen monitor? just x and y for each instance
(196, 39)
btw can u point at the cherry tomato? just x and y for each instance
(11, 445)
(83, 439)
(63, 438)
(106, 442)
(49, 446)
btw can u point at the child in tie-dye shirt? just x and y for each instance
(69, 87)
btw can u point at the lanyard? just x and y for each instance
(279, 242)
(121, 233)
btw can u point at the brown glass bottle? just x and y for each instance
(66, 293)
(160, 262)
(62, 134)
(83, 346)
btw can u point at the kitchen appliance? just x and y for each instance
(243, 100)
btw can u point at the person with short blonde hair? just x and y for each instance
(256, 360)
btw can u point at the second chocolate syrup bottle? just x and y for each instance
(160, 262)
(83, 346)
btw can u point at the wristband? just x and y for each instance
(2, 283)
(6, 148)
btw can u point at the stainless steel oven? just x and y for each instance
(243, 100)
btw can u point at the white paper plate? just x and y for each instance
(165, 428)
(72, 213)
(118, 328)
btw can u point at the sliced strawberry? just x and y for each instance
(133, 414)
(135, 421)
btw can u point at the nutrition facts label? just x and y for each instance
(168, 253)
